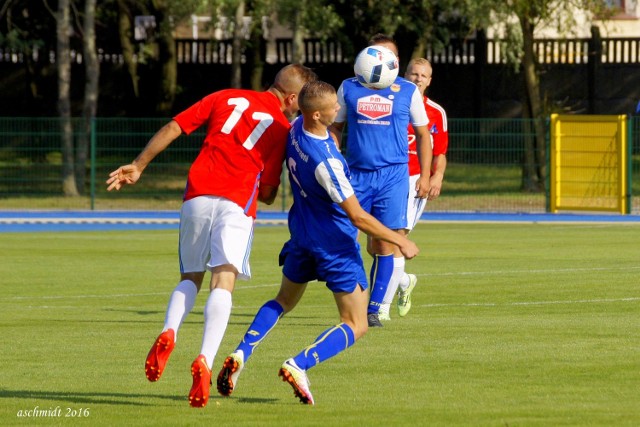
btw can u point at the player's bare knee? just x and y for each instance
(286, 302)
(195, 277)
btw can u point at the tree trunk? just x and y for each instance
(257, 55)
(534, 160)
(297, 38)
(64, 102)
(236, 48)
(419, 50)
(128, 51)
(92, 71)
(167, 58)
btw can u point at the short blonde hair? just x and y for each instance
(419, 61)
(313, 95)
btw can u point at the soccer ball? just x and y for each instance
(376, 67)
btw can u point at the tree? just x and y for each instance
(157, 52)
(415, 24)
(256, 55)
(308, 17)
(518, 19)
(315, 17)
(167, 60)
(237, 45)
(25, 26)
(91, 92)
(125, 35)
(74, 158)
(63, 61)
(44, 21)
(439, 21)
(247, 41)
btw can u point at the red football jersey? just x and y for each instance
(439, 133)
(244, 146)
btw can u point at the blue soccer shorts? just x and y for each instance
(341, 268)
(383, 193)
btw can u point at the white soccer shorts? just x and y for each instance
(214, 231)
(415, 205)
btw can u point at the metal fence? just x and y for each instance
(484, 172)
(607, 50)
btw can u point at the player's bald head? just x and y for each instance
(287, 85)
(291, 78)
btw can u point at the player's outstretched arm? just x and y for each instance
(374, 228)
(129, 174)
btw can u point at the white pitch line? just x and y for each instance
(471, 304)
(111, 221)
(540, 271)
(82, 296)
(526, 303)
(86, 221)
(245, 287)
(168, 292)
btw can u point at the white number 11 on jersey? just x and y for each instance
(241, 105)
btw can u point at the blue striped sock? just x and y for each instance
(381, 272)
(328, 344)
(266, 318)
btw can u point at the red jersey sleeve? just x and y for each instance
(196, 115)
(438, 127)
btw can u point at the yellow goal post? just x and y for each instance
(588, 162)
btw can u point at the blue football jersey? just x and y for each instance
(378, 121)
(319, 179)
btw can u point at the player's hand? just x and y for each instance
(422, 187)
(409, 249)
(435, 186)
(128, 174)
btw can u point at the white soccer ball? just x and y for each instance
(376, 67)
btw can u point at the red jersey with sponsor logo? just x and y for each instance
(244, 145)
(439, 133)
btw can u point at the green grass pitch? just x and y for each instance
(512, 324)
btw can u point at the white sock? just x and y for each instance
(398, 271)
(180, 304)
(384, 308)
(216, 317)
(404, 281)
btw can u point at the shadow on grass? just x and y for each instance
(138, 312)
(87, 397)
(261, 400)
(196, 317)
(113, 398)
